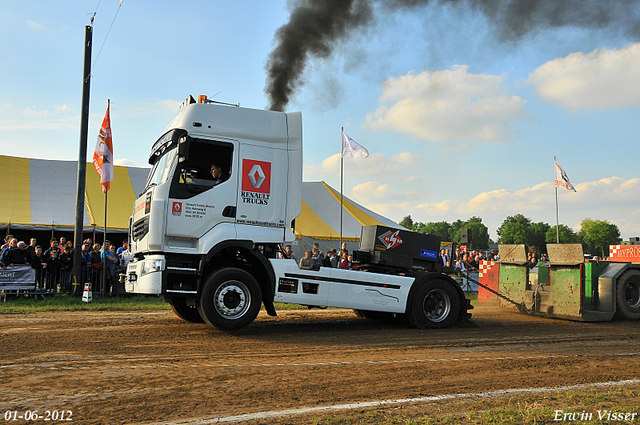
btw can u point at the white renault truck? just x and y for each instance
(221, 200)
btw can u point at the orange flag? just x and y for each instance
(103, 153)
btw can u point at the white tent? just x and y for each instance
(320, 219)
(41, 194)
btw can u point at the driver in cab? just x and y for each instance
(216, 173)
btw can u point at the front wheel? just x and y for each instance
(628, 296)
(435, 304)
(184, 311)
(230, 299)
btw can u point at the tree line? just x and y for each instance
(594, 235)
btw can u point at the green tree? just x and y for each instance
(513, 229)
(407, 222)
(419, 227)
(479, 232)
(597, 235)
(440, 228)
(536, 235)
(454, 231)
(567, 235)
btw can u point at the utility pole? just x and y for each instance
(82, 160)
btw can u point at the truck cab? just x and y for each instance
(224, 188)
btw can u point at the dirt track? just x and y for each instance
(153, 367)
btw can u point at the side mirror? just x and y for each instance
(183, 148)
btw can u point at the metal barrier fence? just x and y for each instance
(60, 281)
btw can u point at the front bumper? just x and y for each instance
(145, 276)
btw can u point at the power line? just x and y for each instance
(106, 36)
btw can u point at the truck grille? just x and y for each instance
(140, 228)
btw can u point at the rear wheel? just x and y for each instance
(230, 299)
(435, 304)
(184, 311)
(628, 295)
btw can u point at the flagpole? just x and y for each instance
(341, 184)
(104, 251)
(557, 218)
(104, 238)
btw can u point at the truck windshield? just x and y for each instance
(161, 169)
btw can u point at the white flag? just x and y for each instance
(351, 149)
(562, 179)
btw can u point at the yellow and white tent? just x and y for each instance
(319, 220)
(40, 194)
(320, 217)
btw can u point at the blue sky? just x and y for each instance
(458, 121)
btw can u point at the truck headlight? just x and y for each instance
(150, 266)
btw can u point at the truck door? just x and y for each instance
(204, 187)
(263, 189)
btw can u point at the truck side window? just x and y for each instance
(208, 165)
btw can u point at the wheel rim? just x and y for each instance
(232, 299)
(632, 294)
(437, 305)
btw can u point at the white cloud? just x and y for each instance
(35, 112)
(125, 162)
(25, 125)
(601, 79)
(33, 118)
(436, 208)
(448, 106)
(376, 164)
(165, 107)
(369, 191)
(35, 26)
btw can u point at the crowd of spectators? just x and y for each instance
(463, 260)
(314, 259)
(54, 266)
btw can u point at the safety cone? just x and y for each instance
(86, 295)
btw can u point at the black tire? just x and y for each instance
(230, 300)
(374, 315)
(435, 304)
(184, 311)
(628, 295)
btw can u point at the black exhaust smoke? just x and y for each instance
(315, 27)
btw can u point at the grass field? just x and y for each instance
(70, 303)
